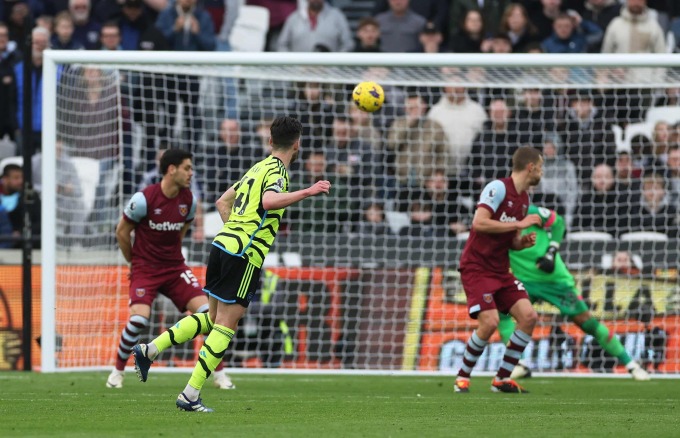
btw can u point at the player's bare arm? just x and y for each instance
(225, 203)
(124, 237)
(483, 223)
(183, 231)
(273, 201)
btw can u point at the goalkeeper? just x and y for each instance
(546, 278)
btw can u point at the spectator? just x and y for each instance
(516, 25)
(500, 43)
(86, 29)
(71, 217)
(624, 264)
(422, 223)
(490, 10)
(351, 157)
(462, 120)
(320, 25)
(400, 28)
(323, 214)
(601, 12)
(372, 222)
(431, 39)
(661, 142)
(670, 97)
(9, 57)
(314, 112)
(534, 118)
(569, 37)
(559, 178)
(362, 127)
(435, 11)
(543, 18)
(12, 201)
(46, 22)
(418, 144)
(227, 161)
(655, 212)
(492, 150)
(17, 24)
(368, 36)
(673, 172)
(449, 213)
(187, 27)
(626, 186)
(586, 135)
(635, 31)
(471, 35)
(63, 33)
(137, 30)
(40, 42)
(597, 209)
(110, 36)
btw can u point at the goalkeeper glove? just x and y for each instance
(547, 262)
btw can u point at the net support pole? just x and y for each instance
(28, 199)
(48, 334)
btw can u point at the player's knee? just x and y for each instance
(140, 322)
(528, 319)
(488, 321)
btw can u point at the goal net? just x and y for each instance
(366, 278)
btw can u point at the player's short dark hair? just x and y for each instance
(9, 168)
(524, 156)
(285, 131)
(173, 157)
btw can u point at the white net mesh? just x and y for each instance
(365, 278)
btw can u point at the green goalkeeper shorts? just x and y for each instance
(564, 296)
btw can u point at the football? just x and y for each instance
(368, 96)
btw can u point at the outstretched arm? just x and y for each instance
(225, 203)
(272, 200)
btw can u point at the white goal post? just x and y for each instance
(390, 303)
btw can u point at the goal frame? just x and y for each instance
(52, 59)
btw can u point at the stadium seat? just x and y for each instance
(623, 138)
(397, 220)
(88, 174)
(250, 29)
(7, 147)
(668, 114)
(18, 160)
(463, 236)
(644, 236)
(580, 236)
(212, 224)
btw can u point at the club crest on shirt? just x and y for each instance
(488, 298)
(183, 209)
(140, 291)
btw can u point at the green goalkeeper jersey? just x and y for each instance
(523, 263)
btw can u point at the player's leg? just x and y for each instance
(513, 298)
(137, 323)
(482, 307)
(231, 288)
(610, 343)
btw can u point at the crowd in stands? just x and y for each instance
(425, 155)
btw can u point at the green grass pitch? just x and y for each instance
(79, 405)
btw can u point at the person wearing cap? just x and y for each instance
(137, 30)
(400, 28)
(431, 39)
